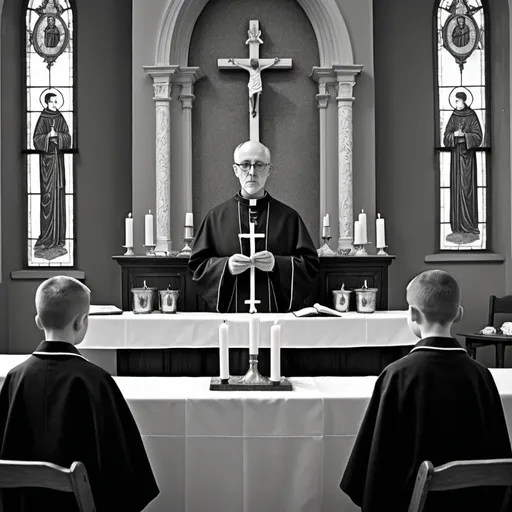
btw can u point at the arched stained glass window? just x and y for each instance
(50, 132)
(462, 123)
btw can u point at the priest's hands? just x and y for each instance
(239, 263)
(264, 260)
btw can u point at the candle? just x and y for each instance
(364, 231)
(326, 220)
(189, 225)
(224, 350)
(128, 225)
(254, 335)
(381, 232)
(275, 352)
(358, 236)
(326, 231)
(149, 229)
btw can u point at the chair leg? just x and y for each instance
(471, 350)
(500, 355)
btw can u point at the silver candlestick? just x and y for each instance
(325, 250)
(382, 251)
(187, 250)
(253, 376)
(129, 250)
(150, 250)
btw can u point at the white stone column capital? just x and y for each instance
(187, 99)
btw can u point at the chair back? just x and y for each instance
(460, 475)
(499, 305)
(17, 473)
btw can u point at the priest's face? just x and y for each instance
(252, 169)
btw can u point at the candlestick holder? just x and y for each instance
(253, 376)
(325, 250)
(150, 250)
(129, 250)
(360, 249)
(187, 250)
(382, 252)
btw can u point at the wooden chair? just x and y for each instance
(17, 473)
(500, 342)
(460, 475)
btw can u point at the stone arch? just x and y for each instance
(325, 16)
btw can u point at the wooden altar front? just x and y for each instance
(163, 272)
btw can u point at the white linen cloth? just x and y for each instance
(199, 330)
(251, 451)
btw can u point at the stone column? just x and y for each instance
(186, 77)
(162, 78)
(323, 76)
(345, 78)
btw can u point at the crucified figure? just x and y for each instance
(255, 85)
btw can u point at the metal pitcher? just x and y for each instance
(341, 299)
(142, 300)
(366, 299)
(169, 300)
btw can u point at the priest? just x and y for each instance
(286, 262)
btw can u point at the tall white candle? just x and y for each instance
(358, 236)
(224, 350)
(275, 353)
(149, 229)
(381, 232)
(254, 335)
(364, 229)
(326, 220)
(189, 220)
(128, 225)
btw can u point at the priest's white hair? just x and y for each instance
(237, 149)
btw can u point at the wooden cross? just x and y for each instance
(255, 84)
(252, 244)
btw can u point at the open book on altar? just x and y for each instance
(105, 310)
(316, 309)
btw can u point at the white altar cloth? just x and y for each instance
(199, 330)
(252, 451)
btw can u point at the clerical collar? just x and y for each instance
(261, 201)
(56, 348)
(438, 343)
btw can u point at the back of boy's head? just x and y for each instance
(436, 294)
(59, 300)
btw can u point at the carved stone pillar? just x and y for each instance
(345, 83)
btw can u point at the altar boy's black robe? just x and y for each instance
(434, 404)
(283, 289)
(58, 407)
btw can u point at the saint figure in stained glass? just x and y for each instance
(460, 34)
(51, 136)
(51, 33)
(462, 135)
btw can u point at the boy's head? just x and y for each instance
(434, 301)
(62, 305)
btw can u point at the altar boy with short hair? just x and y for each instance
(58, 407)
(434, 404)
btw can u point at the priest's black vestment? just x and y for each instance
(58, 407)
(434, 404)
(285, 288)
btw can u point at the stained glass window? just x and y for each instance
(50, 133)
(462, 123)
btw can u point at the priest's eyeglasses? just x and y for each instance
(258, 166)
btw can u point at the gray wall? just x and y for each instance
(103, 166)
(289, 114)
(405, 157)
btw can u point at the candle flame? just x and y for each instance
(365, 285)
(129, 215)
(378, 215)
(149, 211)
(343, 286)
(276, 321)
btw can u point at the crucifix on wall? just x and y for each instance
(254, 66)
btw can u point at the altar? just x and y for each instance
(248, 451)
(186, 344)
